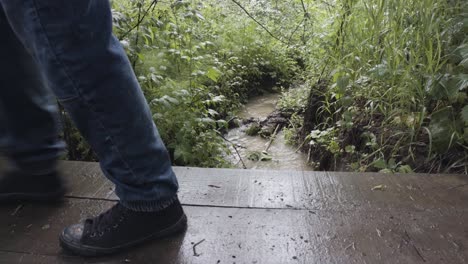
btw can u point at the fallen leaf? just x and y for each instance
(380, 187)
(379, 233)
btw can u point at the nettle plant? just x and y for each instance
(177, 73)
(196, 64)
(396, 70)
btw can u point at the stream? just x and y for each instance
(283, 156)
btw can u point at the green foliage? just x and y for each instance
(77, 147)
(294, 99)
(291, 132)
(388, 79)
(391, 166)
(197, 62)
(253, 129)
(396, 70)
(325, 138)
(188, 123)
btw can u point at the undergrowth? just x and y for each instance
(387, 87)
(382, 85)
(197, 62)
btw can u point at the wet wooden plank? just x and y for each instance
(244, 235)
(322, 190)
(310, 217)
(285, 189)
(293, 189)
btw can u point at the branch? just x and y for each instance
(137, 36)
(140, 19)
(195, 245)
(295, 30)
(303, 22)
(304, 8)
(273, 137)
(234, 146)
(256, 21)
(306, 17)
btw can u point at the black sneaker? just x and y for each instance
(16, 185)
(120, 228)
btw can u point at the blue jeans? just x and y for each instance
(67, 47)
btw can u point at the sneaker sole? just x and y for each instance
(91, 251)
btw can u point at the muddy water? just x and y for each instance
(284, 157)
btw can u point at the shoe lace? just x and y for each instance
(106, 221)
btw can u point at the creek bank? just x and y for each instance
(260, 115)
(265, 127)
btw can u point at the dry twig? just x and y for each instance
(195, 250)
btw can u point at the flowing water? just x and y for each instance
(284, 157)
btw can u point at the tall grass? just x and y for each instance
(395, 71)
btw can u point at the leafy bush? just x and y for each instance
(397, 71)
(197, 63)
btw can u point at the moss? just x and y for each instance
(253, 129)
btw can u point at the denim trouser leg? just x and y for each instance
(25, 103)
(89, 72)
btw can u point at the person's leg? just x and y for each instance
(3, 129)
(90, 74)
(29, 131)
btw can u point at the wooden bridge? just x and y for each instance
(250, 216)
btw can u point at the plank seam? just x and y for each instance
(198, 205)
(311, 210)
(31, 253)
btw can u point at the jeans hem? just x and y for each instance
(148, 206)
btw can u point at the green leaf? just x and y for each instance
(213, 73)
(199, 16)
(170, 99)
(177, 153)
(465, 135)
(464, 114)
(379, 71)
(443, 127)
(350, 149)
(385, 171)
(222, 123)
(206, 120)
(462, 81)
(212, 112)
(445, 87)
(265, 156)
(178, 4)
(405, 169)
(218, 98)
(379, 164)
(342, 83)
